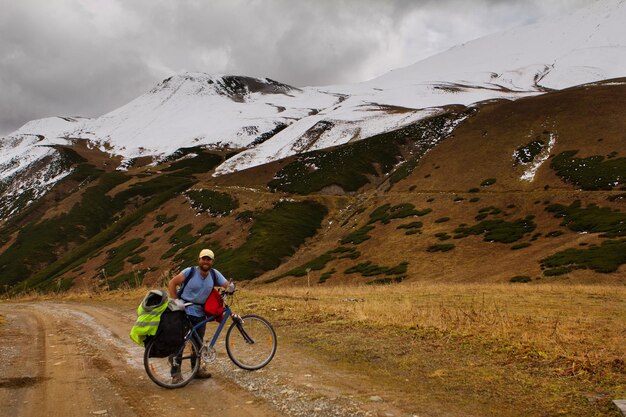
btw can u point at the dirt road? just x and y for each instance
(69, 360)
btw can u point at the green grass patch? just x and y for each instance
(591, 219)
(275, 235)
(180, 239)
(349, 166)
(213, 202)
(59, 228)
(117, 255)
(606, 258)
(592, 173)
(319, 263)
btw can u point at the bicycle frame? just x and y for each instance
(227, 314)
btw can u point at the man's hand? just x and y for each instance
(231, 288)
(179, 304)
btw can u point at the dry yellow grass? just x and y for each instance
(539, 349)
(579, 321)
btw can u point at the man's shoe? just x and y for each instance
(203, 373)
(177, 378)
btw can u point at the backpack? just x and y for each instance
(188, 277)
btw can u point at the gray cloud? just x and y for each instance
(85, 58)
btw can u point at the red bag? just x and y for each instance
(214, 306)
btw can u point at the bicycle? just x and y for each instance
(250, 343)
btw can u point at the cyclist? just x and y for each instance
(198, 282)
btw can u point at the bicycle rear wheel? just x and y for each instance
(173, 371)
(251, 342)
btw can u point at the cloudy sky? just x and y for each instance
(88, 57)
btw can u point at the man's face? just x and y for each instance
(205, 263)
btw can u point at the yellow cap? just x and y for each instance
(206, 252)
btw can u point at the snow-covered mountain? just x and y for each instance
(584, 46)
(268, 120)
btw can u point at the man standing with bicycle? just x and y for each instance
(196, 284)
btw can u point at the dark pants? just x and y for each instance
(199, 333)
(200, 330)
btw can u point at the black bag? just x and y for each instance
(170, 335)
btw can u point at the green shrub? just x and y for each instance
(442, 220)
(617, 197)
(499, 230)
(358, 236)
(135, 259)
(202, 162)
(527, 153)
(554, 233)
(606, 258)
(162, 219)
(386, 212)
(520, 246)
(412, 225)
(326, 275)
(213, 202)
(592, 173)
(246, 216)
(368, 269)
(488, 182)
(521, 278)
(473, 190)
(442, 236)
(443, 247)
(592, 219)
(557, 271)
(386, 281)
(474, 200)
(208, 228)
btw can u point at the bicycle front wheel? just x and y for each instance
(251, 342)
(175, 370)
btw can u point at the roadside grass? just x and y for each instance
(490, 350)
(448, 349)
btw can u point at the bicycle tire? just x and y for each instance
(255, 353)
(160, 369)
